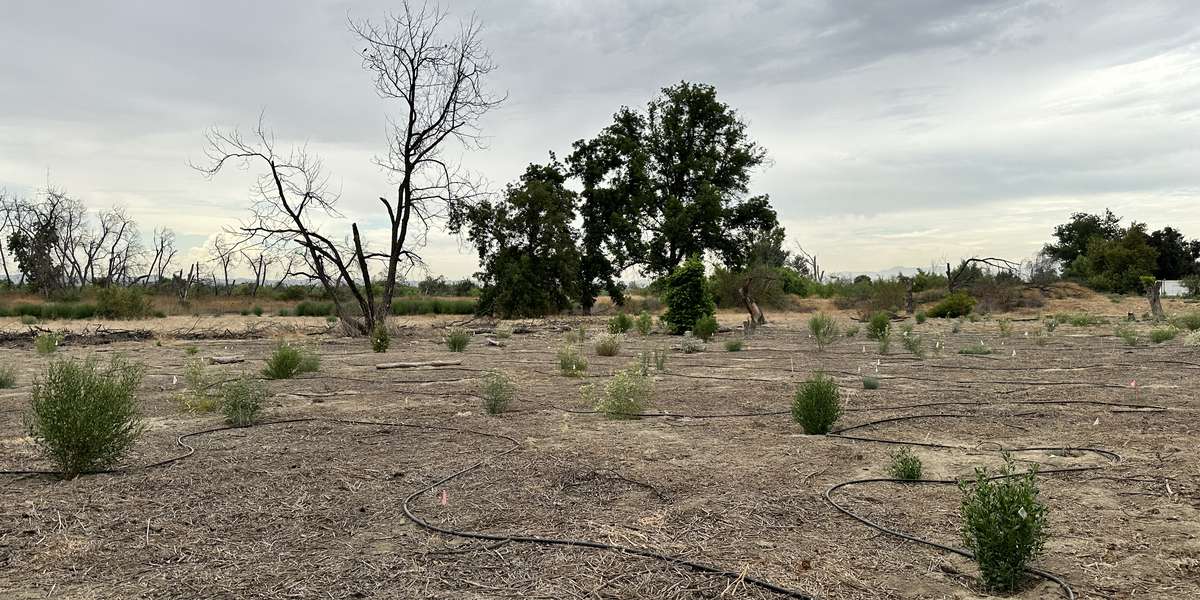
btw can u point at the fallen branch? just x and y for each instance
(225, 360)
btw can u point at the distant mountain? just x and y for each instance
(884, 274)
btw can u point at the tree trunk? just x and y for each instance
(1152, 294)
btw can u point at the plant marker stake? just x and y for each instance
(1133, 384)
(442, 499)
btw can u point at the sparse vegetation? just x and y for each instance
(913, 343)
(690, 345)
(47, 343)
(502, 331)
(380, 338)
(242, 401)
(905, 465)
(817, 404)
(625, 396)
(1159, 335)
(571, 361)
(609, 344)
(734, 345)
(920, 317)
(1188, 321)
(1126, 333)
(85, 417)
(457, 339)
(1005, 326)
(823, 329)
(852, 331)
(1004, 524)
(660, 359)
(620, 324)
(199, 390)
(705, 328)
(498, 391)
(645, 323)
(977, 349)
(8, 377)
(191, 350)
(879, 325)
(958, 304)
(28, 320)
(288, 361)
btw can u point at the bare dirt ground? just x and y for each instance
(316, 509)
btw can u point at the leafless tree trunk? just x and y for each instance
(438, 85)
(224, 254)
(1153, 294)
(183, 285)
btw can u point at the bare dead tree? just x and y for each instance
(224, 254)
(809, 263)
(163, 253)
(183, 284)
(437, 85)
(956, 278)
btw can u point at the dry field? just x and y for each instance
(341, 495)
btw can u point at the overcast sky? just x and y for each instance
(900, 132)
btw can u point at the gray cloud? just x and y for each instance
(913, 128)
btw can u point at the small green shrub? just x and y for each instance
(645, 323)
(47, 343)
(1004, 524)
(29, 320)
(690, 345)
(1078, 319)
(571, 362)
(852, 331)
(380, 338)
(625, 396)
(687, 296)
(84, 416)
(870, 383)
(283, 312)
(608, 344)
(191, 350)
(921, 316)
(577, 335)
(913, 343)
(823, 329)
(1005, 326)
(660, 359)
(977, 349)
(1127, 333)
(958, 304)
(258, 311)
(288, 361)
(885, 341)
(1159, 335)
(1050, 324)
(705, 328)
(734, 345)
(457, 339)
(905, 465)
(817, 404)
(498, 391)
(309, 308)
(957, 328)
(242, 401)
(502, 331)
(620, 323)
(114, 302)
(8, 377)
(199, 389)
(1188, 321)
(879, 325)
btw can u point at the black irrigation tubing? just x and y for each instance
(496, 537)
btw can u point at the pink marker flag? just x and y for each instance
(443, 499)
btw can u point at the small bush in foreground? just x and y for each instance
(47, 343)
(1163, 334)
(905, 465)
(84, 416)
(870, 383)
(734, 345)
(625, 396)
(958, 304)
(8, 377)
(1004, 524)
(1127, 333)
(690, 345)
(498, 391)
(199, 389)
(457, 339)
(620, 323)
(571, 362)
(608, 344)
(288, 361)
(879, 325)
(920, 317)
(242, 400)
(705, 328)
(977, 349)
(645, 323)
(823, 329)
(380, 339)
(913, 343)
(817, 404)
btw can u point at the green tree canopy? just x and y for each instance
(1075, 235)
(1176, 256)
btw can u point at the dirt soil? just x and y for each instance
(315, 509)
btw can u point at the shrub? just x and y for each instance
(823, 328)
(457, 339)
(645, 323)
(687, 297)
(1192, 339)
(115, 302)
(921, 316)
(817, 404)
(608, 345)
(314, 309)
(852, 331)
(1192, 283)
(47, 343)
(705, 328)
(625, 396)
(978, 349)
(905, 465)
(191, 350)
(8, 377)
(198, 395)
(288, 361)
(1004, 524)
(571, 362)
(258, 311)
(283, 312)
(958, 304)
(620, 323)
(1078, 319)
(1188, 321)
(498, 391)
(1127, 333)
(380, 338)
(885, 341)
(502, 331)
(913, 343)
(242, 401)
(577, 335)
(690, 345)
(734, 345)
(1163, 334)
(86, 417)
(29, 320)
(879, 325)
(1005, 326)
(870, 383)
(660, 359)
(957, 328)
